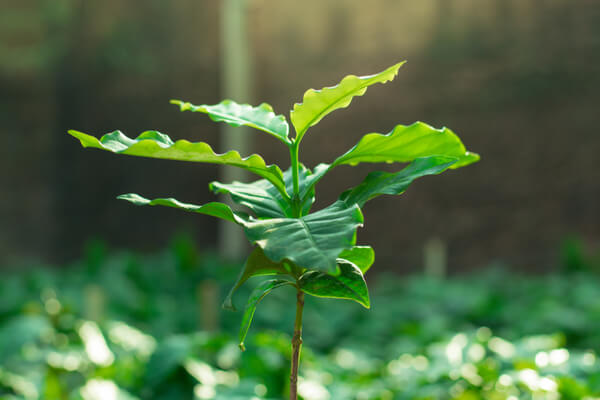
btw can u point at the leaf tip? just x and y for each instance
(241, 346)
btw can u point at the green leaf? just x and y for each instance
(261, 117)
(214, 209)
(157, 145)
(318, 103)
(313, 241)
(257, 264)
(349, 283)
(406, 143)
(378, 183)
(361, 256)
(255, 297)
(263, 199)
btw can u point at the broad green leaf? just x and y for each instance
(313, 241)
(361, 256)
(214, 209)
(318, 103)
(406, 143)
(263, 199)
(255, 297)
(378, 183)
(157, 145)
(348, 283)
(257, 264)
(261, 117)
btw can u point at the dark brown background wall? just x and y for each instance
(517, 80)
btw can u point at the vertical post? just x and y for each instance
(235, 83)
(435, 258)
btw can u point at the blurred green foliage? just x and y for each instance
(120, 325)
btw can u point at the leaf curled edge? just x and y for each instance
(257, 295)
(261, 117)
(154, 144)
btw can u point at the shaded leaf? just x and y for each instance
(361, 256)
(255, 297)
(313, 241)
(261, 117)
(257, 264)
(214, 209)
(318, 103)
(378, 183)
(157, 145)
(406, 143)
(262, 197)
(348, 283)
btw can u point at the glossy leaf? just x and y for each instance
(318, 103)
(214, 209)
(406, 143)
(361, 256)
(378, 183)
(313, 241)
(255, 297)
(157, 145)
(257, 264)
(348, 283)
(261, 117)
(262, 198)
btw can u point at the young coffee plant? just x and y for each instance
(315, 252)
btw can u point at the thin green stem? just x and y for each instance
(296, 346)
(295, 167)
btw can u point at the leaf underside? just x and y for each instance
(348, 283)
(214, 209)
(157, 145)
(260, 117)
(318, 103)
(257, 264)
(379, 183)
(257, 295)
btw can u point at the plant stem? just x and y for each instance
(296, 346)
(295, 166)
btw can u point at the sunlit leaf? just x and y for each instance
(261, 117)
(257, 264)
(214, 209)
(361, 256)
(406, 143)
(257, 295)
(157, 145)
(378, 183)
(313, 241)
(318, 103)
(347, 283)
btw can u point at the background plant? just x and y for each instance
(316, 253)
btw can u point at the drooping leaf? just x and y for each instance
(361, 256)
(378, 183)
(263, 199)
(313, 241)
(406, 143)
(255, 297)
(318, 103)
(214, 209)
(257, 264)
(348, 283)
(157, 145)
(261, 117)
